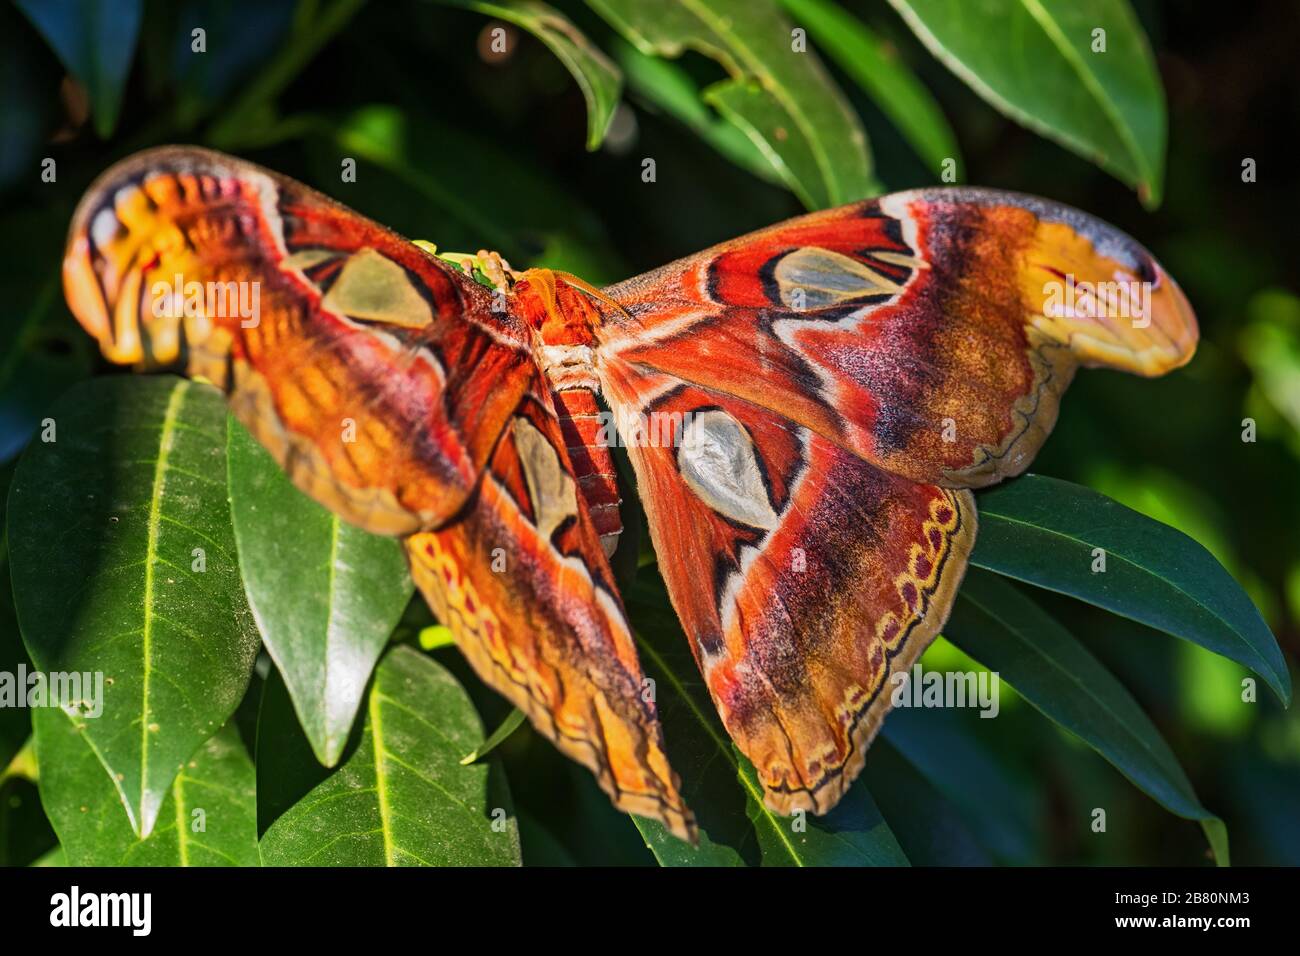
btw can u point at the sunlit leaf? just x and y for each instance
(1080, 73)
(781, 98)
(1053, 534)
(207, 818)
(124, 567)
(402, 797)
(326, 595)
(877, 69)
(668, 87)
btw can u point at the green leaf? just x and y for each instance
(596, 76)
(424, 158)
(929, 827)
(124, 570)
(721, 786)
(207, 818)
(877, 69)
(1045, 531)
(1008, 633)
(326, 595)
(669, 87)
(95, 40)
(1033, 60)
(499, 736)
(1001, 807)
(783, 100)
(401, 797)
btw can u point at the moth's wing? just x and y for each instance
(377, 375)
(522, 581)
(389, 389)
(929, 332)
(804, 575)
(829, 388)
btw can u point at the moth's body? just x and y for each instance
(563, 317)
(837, 385)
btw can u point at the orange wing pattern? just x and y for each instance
(920, 331)
(523, 583)
(834, 383)
(374, 373)
(389, 389)
(833, 386)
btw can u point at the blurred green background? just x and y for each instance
(471, 148)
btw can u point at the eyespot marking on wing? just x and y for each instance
(717, 461)
(373, 287)
(550, 487)
(815, 278)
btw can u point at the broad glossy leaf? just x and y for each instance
(721, 786)
(669, 87)
(207, 819)
(402, 798)
(1002, 808)
(1047, 532)
(1033, 60)
(95, 40)
(877, 69)
(781, 99)
(595, 75)
(123, 562)
(326, 595)
(929, 827)
(1008, 633)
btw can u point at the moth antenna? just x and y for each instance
(583, 286)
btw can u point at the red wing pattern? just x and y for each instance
(386, 386)
(834, 385)
(803, 576)
(919, 331)
(839, 380)
(523, 583)
(368, 370)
